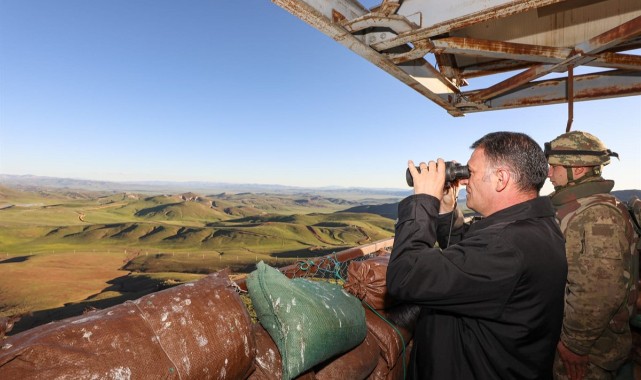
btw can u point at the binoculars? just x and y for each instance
(453, 171)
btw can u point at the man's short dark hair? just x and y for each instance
(520, 153)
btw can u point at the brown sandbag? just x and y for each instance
(366, 280)
(387, 338)
(382, 372)
(267, 360)
(197, 330)
(356, 364)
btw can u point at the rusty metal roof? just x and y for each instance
(531, 52)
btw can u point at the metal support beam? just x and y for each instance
(500, 50)
(611, 38)
(605, 85)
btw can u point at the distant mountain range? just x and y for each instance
(31, 182)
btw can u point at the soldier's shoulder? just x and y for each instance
(598, 209)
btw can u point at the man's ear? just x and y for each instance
(502, 179)
(578, 170)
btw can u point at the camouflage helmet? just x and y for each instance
(577, 148)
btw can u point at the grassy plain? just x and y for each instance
(64, 251)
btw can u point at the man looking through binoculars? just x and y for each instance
(491, 293)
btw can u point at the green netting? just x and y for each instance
(326, 267)
(310, 321)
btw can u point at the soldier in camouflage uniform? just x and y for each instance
(600, 244)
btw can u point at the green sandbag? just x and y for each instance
(310, 321)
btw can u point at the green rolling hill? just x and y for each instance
(265, 224)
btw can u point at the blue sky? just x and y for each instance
(235, 91)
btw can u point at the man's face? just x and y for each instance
(558, 175)
(479, 186)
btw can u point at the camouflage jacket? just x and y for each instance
(600, 244)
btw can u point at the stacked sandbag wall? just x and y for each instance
(202, 330)
(198, 330)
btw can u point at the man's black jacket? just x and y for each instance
(492, 303)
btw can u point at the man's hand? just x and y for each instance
(450, 196)
(575, 365)
(430, 180)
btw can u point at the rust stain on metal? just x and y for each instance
(337, 16)
(626, 30)
(621, 59)
(511, 83)
(588, 92)
(508, 48)
(388, 7)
